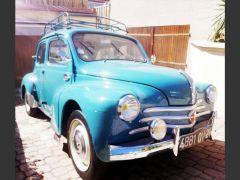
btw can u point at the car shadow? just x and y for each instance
(18, 100)
(24, 167)
(189, 164)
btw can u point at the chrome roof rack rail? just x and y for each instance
(64, 21)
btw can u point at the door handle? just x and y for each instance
(66, 77)
(43, 71)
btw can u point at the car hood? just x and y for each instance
(167, 80)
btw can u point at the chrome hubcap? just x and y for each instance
(80, 145)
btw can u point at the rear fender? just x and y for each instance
(29, 84)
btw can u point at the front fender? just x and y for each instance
(98, 99)
(98, 105)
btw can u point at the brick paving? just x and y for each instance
(39, 156)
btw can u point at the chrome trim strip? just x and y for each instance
(203, 113)
(181, 126)
(146, 128)
(135, 152)
(138, 130)
(147, 119)
(200, 107)
(168, 108)
(175, 108)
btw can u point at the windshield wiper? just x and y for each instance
(118, 50)
(86, 47)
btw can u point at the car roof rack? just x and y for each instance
(64, 21)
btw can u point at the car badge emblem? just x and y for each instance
(192, 116)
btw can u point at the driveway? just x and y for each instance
(39, 156)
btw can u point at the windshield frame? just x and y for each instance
(141, 49)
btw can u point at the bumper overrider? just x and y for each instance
(118, 153)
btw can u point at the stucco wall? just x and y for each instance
(198, 14)
(207, 64)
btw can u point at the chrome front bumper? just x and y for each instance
(118, 153)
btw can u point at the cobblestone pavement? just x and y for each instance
(39, 156)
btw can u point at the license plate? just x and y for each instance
(194, 138)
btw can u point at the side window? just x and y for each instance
(58, 51)
(41, 53)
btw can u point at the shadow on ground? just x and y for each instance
(204, 161)
(24, 167)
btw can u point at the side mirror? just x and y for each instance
(153, 58)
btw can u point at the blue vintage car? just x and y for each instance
(104, 95)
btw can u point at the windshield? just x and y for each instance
(96, 47)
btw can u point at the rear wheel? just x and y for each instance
(30, 111)
(81, 149)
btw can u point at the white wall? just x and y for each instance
(207, 64)
(197, 13)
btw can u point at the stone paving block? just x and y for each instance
(218, 156)
(51, 160)
(45, 168)
(207, 163)
(212, 159)
(29, 172)
(220, 143)
(175, 177)
(73, 174)
(20, 176)
(220, 163)
(59, 171)
(23, 167)
(185, 175)
(205, 177)
(187, 162)
(192, 171)
(200, 167)
(218, 168)
(214, 173)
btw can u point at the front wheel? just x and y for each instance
(81, 149)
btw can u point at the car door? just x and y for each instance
(39, 70)
(58, 71)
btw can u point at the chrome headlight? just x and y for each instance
(211, 94)
(128, 108)
(158, 129)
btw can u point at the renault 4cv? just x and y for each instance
(101, 91)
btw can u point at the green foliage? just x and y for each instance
(218, 32)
